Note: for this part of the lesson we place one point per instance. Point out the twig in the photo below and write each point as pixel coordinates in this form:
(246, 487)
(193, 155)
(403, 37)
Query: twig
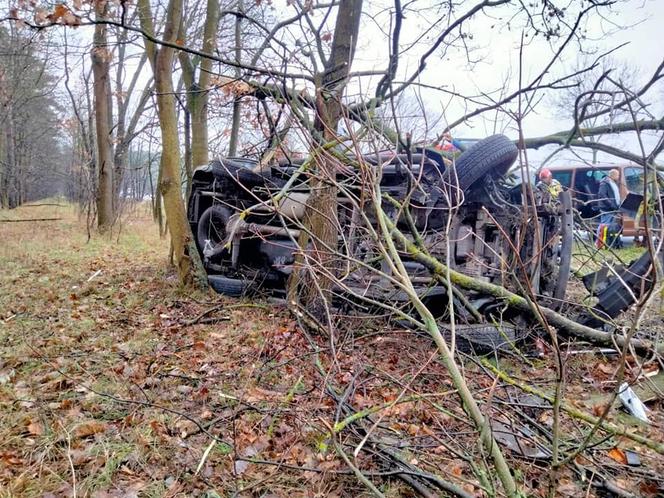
(204, 457)
(358, 473)
(578, 414)
(71, 462)
(202, 315)
(30, 219)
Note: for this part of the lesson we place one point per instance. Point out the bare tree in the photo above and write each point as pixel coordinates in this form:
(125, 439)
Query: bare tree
(30, 154)
(101, 56)
(161, 61)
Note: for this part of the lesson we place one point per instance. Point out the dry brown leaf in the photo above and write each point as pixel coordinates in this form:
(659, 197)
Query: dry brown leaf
(567, 488)
(618, 455)
(10, 458)
(40, 16)
(457, 471)
(90, 428)
(605, 368)
(598, 410)
(35, 429)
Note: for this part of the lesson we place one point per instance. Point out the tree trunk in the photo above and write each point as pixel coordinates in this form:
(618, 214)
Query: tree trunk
(4, 201)
(188, 162)
(237, 104)
(321, 214)
(101, 69)
(185, 254)
(199, 127)
(235, 127)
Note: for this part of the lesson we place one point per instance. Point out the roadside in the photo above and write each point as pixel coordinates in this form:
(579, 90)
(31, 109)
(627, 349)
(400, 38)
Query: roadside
(115, 383)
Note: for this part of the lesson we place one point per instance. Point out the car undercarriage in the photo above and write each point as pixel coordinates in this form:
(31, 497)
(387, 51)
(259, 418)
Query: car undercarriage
(466, 211)
(491, 234)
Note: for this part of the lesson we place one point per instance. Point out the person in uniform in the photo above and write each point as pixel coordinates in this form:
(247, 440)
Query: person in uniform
(548, 185)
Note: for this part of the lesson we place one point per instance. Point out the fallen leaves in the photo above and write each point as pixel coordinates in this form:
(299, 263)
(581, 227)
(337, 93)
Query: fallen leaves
(617, 455)
(35, 429)
(90, 428)
(10, 458)
(123, 335)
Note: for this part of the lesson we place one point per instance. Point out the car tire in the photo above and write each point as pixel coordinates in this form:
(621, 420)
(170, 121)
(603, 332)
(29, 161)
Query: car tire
(492, 156)
(483, 339)
(212, 222)
(233, 287)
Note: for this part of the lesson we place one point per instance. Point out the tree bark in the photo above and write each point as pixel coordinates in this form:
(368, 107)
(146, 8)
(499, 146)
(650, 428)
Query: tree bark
(320, 238)
(185, 255)
(197, 91)
(237, 103)
(101, 69)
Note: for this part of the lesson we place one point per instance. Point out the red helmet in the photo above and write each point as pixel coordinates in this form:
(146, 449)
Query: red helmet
(545, 173)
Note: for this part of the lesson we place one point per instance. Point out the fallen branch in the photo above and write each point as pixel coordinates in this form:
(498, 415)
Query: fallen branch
(406, 471)
(410, 474)
(358, 473)
(41, 204)
(518, 302)
(30, 219)
(609, 427)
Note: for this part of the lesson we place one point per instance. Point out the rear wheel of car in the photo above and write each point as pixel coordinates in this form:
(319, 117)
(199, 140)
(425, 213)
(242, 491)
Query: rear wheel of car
(233, 287)
(492, 156)
(211, 229)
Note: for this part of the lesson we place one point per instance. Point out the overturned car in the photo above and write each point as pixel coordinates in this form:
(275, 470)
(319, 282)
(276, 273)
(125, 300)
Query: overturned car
(466, 210)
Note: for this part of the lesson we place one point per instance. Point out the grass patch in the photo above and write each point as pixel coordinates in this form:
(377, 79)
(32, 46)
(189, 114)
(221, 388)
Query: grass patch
(586, 258)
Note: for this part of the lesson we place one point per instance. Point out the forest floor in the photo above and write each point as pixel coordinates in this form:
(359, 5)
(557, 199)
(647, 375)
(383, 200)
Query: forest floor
(116, 383)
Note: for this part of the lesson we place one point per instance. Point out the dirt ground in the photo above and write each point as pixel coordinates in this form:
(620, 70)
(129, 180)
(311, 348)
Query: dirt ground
(114, 382)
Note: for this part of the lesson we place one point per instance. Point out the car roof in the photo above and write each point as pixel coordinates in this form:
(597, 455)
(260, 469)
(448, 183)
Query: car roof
(561, 167)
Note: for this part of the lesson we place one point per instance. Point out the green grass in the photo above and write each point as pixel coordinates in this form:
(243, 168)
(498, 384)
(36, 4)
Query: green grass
(587, 259)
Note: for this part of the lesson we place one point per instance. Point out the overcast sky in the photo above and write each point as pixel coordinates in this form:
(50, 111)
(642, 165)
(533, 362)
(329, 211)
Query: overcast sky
(495, 52)
(638, 23)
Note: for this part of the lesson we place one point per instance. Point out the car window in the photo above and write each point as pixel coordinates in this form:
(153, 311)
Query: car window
(564, 177)
(634, 180)
(586, 181)
(599, 174)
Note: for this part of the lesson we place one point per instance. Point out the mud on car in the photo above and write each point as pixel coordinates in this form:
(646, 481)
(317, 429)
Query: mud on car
(468, 208)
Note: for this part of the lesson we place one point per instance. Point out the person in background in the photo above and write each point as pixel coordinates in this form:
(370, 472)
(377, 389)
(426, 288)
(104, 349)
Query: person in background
(608, 198)
(547, 184)
(648, 212)
(449, 144)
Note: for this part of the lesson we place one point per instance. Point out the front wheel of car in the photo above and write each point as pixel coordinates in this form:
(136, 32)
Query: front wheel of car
(491, 156)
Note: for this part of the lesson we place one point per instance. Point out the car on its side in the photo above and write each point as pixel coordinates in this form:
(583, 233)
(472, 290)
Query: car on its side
(246, 227)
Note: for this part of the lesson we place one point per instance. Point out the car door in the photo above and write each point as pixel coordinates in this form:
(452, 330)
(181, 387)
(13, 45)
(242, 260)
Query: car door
(585, 188)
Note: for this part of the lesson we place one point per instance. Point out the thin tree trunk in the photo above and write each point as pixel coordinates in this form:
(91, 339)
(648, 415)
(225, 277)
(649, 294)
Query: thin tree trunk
(199, 90)
(237, 104)
(199, 127)
(185, 254)
(101, 68)
(188, 160)
(321, 214)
